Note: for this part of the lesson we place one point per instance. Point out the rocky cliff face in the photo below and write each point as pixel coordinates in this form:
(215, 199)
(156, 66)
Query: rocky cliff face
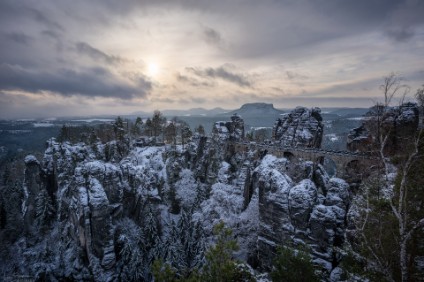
(229, 130)
(91, 212)
(399, 122)
(301, 128)
(300, 213)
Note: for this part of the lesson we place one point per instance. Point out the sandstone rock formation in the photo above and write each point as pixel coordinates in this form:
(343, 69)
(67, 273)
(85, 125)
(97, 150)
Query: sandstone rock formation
(300, 128)
(113, 213)
(229, 130)
(399, 122)
(300, 213)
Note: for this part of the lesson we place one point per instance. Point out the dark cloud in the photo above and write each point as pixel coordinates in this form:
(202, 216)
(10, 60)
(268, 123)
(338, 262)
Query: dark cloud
(96, 54)
(94, 82)
(20, 38)
(291, 75)
(400, 34)
(405, 20)
(188, 80)
(221, 73)
(37, 38)
(51, 34)
(212, 36)
(44, 19)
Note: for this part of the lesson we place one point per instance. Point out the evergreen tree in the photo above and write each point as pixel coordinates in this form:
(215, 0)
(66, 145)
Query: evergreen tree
(170, 132)
(293, 265)
(175, 206)
(175, 255)
(185, 133)
(118, 129)
(64, 134)
(136, 127)
(200, 130)
(163, 272)
(44, 210)
(148, 127)
(220, 266)
(131, 248)
(158, 123)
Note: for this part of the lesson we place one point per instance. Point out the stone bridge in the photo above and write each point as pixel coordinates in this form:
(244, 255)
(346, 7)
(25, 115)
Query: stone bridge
(343, 160)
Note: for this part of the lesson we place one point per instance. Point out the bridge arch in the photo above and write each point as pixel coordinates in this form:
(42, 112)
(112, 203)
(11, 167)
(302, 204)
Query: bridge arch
(330, 165)
(289, 155)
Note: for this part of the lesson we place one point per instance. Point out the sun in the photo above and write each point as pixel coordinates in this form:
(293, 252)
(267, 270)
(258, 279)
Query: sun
(153, 69)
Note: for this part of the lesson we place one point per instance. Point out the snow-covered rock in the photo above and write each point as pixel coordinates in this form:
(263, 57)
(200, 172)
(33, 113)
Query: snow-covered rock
(300, 128)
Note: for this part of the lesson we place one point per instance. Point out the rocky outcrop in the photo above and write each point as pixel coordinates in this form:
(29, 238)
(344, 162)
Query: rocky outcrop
(301, 214)
(33, 186)
(114, 213)
(300, 128)
(400, 123)
(229, 130)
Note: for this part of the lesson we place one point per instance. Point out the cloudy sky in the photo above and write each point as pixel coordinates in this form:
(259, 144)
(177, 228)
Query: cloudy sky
(78, 57)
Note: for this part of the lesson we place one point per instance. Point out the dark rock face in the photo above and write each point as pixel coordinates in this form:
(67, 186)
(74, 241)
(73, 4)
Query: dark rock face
(359, 139)
(33, 185)
(399, 122)
(301, 128)
(306, 213)
(229, 130)
(257, 109)
(268, 201)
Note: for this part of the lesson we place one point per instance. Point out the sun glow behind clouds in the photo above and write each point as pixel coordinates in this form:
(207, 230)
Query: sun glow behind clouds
(153, 69)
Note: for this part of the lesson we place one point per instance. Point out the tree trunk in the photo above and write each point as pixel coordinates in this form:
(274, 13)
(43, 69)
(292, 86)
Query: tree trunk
(403, 260)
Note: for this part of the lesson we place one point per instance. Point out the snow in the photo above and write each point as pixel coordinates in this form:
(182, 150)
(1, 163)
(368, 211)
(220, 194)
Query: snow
(97, 195)
(31, 159)
(94, 120)
(306, 134)
(332, 137)
(266, 241)
(186, 188)
(407, 115)
(336, 274)
(302, 198)
(43, 124)
(223, 172)
(357, 118)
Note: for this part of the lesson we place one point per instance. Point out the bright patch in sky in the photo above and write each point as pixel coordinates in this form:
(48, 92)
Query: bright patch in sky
(153, 69)
(117, 57)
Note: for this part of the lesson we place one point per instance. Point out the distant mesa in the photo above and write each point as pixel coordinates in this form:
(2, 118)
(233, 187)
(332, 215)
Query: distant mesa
(256, 109)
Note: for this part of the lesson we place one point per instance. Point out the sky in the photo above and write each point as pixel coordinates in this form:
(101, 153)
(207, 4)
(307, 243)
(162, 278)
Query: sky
(70, 58)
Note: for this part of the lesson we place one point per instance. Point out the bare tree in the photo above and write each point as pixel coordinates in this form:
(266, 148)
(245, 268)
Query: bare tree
(390, 253)
(419, 96)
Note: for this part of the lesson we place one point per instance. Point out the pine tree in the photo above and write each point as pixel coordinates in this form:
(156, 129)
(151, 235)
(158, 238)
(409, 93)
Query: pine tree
(118, 129)
(200, 130)
(170, 133)
(131, 244)
(175, 255)
(175, 206)
(64, 134)
(158, 123)
(185, 133)
(44, 210)
(148, 127)
(293, 265)
(220, 266)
